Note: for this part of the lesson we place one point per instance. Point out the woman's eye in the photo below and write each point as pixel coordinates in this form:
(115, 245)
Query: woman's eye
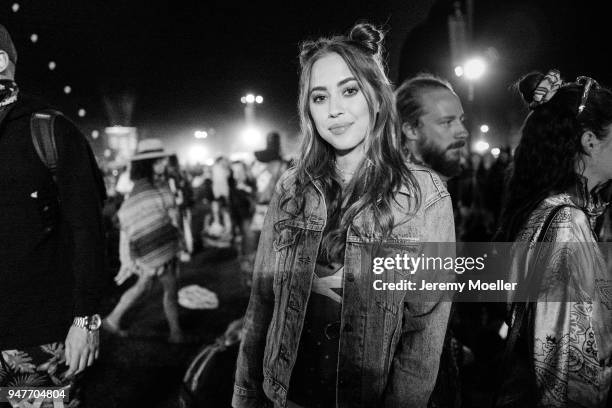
(351, 91)
(318, 98)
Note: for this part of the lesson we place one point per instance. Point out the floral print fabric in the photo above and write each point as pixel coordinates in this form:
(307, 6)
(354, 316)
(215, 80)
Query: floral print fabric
(38, 367)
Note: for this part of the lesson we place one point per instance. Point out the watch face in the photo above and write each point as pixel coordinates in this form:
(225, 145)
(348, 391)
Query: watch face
(95, 322)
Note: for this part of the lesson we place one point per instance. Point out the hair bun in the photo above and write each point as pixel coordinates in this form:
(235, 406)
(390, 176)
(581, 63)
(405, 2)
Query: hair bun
(528, 84)
(368, 36)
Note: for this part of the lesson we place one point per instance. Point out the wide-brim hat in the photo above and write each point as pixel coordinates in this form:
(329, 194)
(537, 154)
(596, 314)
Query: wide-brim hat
(150, 149)
(272, 150)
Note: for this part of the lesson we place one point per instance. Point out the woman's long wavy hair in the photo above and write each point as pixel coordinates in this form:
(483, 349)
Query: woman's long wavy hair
(550, 151)
(385, 169)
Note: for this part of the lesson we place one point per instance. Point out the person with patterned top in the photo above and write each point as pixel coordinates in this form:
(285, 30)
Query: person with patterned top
(150, 238)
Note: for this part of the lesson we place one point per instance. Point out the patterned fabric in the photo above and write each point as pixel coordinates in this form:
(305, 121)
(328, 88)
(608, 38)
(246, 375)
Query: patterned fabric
(149, 232)
(8, 92)
(572, 339)
(38, 366)
(547, 88)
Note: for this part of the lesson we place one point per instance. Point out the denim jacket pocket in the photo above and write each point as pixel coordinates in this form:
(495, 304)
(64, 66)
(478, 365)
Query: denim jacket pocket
(392, 295)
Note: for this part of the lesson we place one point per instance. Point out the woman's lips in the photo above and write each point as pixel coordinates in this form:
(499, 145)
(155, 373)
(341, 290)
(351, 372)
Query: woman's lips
(339, 128)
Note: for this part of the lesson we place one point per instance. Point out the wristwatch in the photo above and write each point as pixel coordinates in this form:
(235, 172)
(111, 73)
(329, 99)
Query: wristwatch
(90, 323)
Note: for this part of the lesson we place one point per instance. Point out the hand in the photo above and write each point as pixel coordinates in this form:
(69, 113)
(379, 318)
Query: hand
(82, 349)
(124, 272)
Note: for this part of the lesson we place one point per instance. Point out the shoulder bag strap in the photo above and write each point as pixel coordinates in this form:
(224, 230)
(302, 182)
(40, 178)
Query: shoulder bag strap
(520, 310)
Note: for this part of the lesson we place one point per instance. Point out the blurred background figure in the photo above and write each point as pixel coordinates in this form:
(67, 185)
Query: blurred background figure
(150, 237)
(242, 204)
(217, 230)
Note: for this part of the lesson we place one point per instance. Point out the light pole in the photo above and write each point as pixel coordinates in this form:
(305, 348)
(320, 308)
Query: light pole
(471, 70)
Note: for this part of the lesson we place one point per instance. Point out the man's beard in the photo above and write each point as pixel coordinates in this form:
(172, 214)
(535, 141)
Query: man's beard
(439, 159)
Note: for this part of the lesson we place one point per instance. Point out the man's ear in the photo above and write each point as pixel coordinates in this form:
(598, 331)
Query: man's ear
(4, 62)
(409, 131)
(589, 142)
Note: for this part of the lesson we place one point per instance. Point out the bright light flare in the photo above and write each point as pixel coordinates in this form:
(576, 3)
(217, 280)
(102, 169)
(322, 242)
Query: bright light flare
(250, 98)
(197, 154)
(474, 68)
(484, 128)
(251, 138)
(459, 71)
(495, 152)
(259, 99)
(481, 146)
(200, 134)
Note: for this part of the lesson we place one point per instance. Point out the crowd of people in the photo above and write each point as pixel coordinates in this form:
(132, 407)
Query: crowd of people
(381, 172)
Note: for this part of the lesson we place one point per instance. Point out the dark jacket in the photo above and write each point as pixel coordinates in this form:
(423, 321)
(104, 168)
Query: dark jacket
(51, 237)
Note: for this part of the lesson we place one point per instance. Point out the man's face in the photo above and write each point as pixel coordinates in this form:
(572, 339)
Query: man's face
(441, 134)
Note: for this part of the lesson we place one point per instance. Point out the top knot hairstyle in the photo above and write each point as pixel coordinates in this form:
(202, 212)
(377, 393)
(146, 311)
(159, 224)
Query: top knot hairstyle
(367, 36)
(364, 36)
(550, 151)
(386, 168)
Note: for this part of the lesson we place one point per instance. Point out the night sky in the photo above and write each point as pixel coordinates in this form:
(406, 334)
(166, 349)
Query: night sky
(185, 64)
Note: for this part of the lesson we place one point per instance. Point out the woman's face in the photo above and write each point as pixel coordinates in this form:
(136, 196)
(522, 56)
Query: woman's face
(238, 171)
(337, 104)
(159, 167)
(602, 157)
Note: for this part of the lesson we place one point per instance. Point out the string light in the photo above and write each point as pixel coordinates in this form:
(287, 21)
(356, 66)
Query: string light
(34, 38)
(82, 112)
(95, 134)
(15, 7)
(52, 65)
(67, 89)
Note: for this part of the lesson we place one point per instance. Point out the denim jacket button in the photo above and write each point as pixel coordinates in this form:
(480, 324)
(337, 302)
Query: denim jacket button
(350, 277)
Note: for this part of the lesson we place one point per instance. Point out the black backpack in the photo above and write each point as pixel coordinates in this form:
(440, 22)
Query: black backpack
(43, 139)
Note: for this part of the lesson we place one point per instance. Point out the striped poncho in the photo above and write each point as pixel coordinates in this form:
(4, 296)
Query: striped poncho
(149, 235)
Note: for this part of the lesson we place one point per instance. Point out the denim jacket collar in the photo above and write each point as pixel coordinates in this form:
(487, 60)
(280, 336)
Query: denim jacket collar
(403, 189)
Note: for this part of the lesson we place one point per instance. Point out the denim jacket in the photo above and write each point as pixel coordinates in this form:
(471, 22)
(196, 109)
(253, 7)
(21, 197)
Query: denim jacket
(389, 347)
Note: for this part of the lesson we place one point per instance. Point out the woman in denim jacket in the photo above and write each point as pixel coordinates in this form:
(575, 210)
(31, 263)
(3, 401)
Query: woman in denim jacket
(563, 158)
(317, 333)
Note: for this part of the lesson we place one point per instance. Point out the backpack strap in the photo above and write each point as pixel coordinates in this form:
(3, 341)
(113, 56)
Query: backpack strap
(43, 138)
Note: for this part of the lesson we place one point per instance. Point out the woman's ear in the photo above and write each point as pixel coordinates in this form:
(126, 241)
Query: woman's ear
(589, 142)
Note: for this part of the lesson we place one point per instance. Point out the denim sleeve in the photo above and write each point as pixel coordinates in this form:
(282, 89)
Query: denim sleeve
(417, 357)
(248, 390)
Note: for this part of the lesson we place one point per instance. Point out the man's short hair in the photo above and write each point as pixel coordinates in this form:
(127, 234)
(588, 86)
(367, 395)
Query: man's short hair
(408, 95)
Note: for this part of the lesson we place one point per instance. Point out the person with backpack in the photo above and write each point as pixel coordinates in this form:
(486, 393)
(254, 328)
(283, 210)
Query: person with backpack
(52, 269)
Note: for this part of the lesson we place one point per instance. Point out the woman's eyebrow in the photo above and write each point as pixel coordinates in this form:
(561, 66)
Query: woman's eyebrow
(342, 82)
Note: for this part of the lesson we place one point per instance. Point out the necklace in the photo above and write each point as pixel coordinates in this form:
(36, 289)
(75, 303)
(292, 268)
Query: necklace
(345, 176)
